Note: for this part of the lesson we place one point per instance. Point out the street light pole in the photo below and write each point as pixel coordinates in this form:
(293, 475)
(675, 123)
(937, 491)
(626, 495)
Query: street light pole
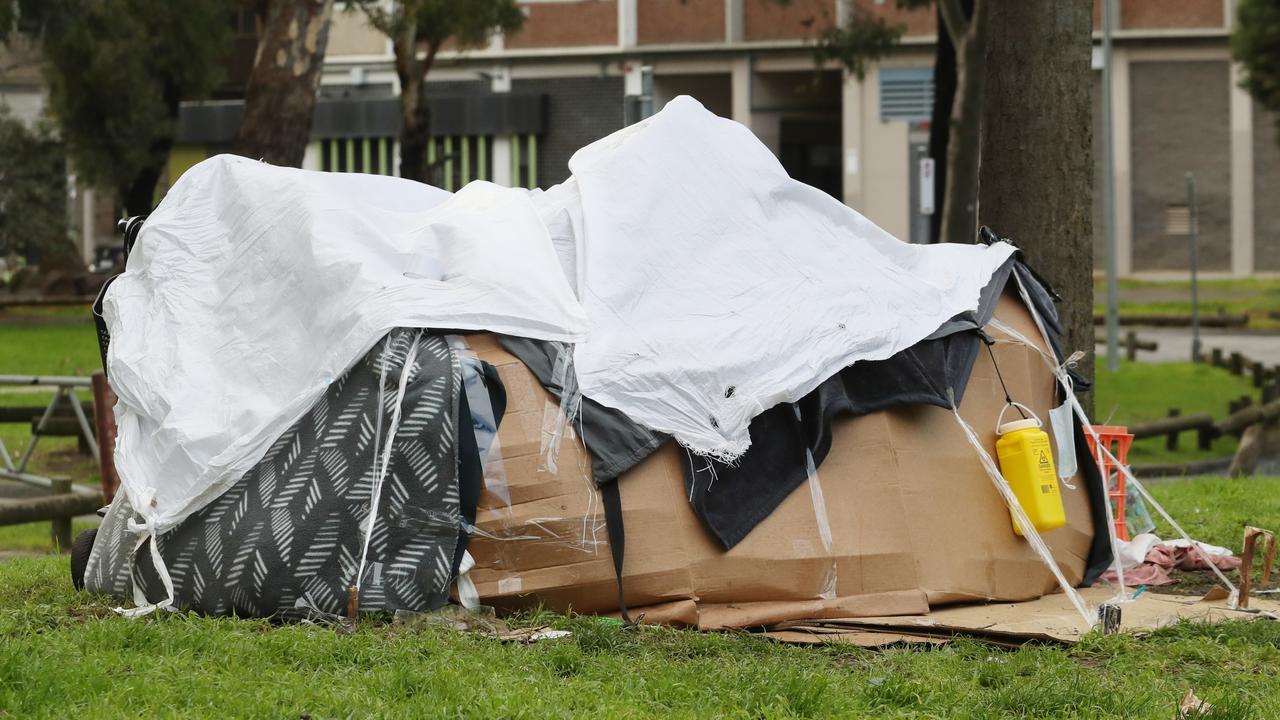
(1193, 234)
(1109, 192)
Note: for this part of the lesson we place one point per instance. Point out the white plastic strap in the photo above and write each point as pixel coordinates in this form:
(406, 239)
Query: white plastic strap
(1102, 452)
(146, 530)
(468, 596)
(1064, 379)
(570, 400)
(1028, 528)
(380, 471)
(828, 591)
(1024, 408)
(1234, 596)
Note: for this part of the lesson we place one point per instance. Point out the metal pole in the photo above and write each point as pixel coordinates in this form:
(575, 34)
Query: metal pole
(1109, 192)
(646, 92)
(1192, 236)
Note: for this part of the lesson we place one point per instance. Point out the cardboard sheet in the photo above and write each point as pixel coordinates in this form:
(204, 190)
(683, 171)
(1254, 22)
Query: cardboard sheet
(1049, 619)
(914, 521)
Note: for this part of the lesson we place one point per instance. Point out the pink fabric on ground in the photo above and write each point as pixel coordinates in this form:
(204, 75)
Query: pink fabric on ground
(1161, 559)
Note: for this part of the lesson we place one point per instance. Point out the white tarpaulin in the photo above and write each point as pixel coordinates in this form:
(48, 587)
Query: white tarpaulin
(718, 287)
(714, 287)
(253, 287)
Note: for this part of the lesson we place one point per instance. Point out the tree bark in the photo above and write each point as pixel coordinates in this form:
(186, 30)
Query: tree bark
(964, 144)
(1037, 166)
(281, 94)
(139, 194)
(415, 125)
(944, 91)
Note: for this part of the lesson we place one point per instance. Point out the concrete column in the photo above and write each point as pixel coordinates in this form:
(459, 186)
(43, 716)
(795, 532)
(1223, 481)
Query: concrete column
(1242, 235)
(311, 159)
(884, 155)
(1122, 128)
(500, 82)
(627, 23)
(851, 139)
(740, 82)
(844, 11)
(88, 240)
(734, 23)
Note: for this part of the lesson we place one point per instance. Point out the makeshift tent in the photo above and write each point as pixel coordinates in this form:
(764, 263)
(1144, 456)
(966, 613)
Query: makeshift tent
(768, 408)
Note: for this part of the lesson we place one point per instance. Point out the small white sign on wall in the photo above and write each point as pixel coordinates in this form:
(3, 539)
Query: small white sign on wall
(926, 186)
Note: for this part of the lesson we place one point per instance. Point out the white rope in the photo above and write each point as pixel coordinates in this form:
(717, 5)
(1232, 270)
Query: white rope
(1028, 528)
(1105, 452)
(1064, 379)
(146, 530)
(380, 473)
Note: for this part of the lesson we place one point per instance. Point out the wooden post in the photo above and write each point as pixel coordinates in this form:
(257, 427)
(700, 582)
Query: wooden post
(1251, 535)
(1216, 357)
(60, 527)
(1271, 392)
(1131, 346)
(104, 422)
(1204, 437)
(1259, 374)
(1249, 453)
(1237, 364)
(1171, 440)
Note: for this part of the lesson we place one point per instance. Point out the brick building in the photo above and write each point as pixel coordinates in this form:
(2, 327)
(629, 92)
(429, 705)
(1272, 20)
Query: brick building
(515, 111)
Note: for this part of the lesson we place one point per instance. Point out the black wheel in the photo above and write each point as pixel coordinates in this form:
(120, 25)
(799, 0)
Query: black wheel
(80, 549)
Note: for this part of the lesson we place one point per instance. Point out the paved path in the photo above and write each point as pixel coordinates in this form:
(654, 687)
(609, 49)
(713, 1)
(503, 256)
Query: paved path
(1175, 344)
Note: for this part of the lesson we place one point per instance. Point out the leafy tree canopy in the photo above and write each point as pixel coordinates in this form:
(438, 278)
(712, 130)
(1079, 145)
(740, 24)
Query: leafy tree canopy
(468, 23)
(1256, 45)
(33, 192)
(860, 37)
(117, 70)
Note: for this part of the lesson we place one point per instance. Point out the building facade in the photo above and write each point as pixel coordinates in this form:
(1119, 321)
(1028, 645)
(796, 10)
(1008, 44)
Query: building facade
(515, 111)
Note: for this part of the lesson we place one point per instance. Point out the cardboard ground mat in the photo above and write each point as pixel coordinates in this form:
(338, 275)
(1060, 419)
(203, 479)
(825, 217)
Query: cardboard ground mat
(901, 517)
(1048, 619)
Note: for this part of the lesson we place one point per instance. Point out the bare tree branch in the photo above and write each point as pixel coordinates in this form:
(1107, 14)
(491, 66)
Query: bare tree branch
(953, 17)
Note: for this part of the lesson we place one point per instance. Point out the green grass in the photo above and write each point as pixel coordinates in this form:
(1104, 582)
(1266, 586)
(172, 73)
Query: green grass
(1255, 297)
(1140, 392)
(80, 663)
(49, 349)
(65, 654)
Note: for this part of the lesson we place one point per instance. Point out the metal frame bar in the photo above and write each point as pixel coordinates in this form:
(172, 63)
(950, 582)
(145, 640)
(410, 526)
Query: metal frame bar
(65, 389)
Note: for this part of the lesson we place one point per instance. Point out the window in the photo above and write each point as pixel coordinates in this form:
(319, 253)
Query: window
(906, 94)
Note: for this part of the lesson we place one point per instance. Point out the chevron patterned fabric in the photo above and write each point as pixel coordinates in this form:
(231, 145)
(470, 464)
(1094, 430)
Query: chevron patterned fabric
(286, 539)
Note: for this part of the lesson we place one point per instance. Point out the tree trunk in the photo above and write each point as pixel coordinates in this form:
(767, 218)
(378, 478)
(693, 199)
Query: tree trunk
(1037, 166)
(944, 91)
(964, 144)
(415, 136)
(281, 94)
(139, 195)
(415, 126)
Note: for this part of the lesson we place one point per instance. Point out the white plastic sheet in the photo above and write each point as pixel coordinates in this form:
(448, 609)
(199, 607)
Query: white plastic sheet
(718, 287)
(253, 287)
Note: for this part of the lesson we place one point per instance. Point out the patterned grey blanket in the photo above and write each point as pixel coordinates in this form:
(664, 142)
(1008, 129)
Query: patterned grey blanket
(286, 540)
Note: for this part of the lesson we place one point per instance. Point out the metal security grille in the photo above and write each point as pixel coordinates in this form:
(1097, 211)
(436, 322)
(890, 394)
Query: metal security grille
(458, 159)
(906, 94)
(364, 155)
(524, 161)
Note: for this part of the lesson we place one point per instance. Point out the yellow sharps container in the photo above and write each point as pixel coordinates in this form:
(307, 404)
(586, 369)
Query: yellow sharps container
(1027, 463)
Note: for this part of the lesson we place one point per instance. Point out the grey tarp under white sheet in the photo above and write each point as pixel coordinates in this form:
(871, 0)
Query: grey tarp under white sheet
(709, 287)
